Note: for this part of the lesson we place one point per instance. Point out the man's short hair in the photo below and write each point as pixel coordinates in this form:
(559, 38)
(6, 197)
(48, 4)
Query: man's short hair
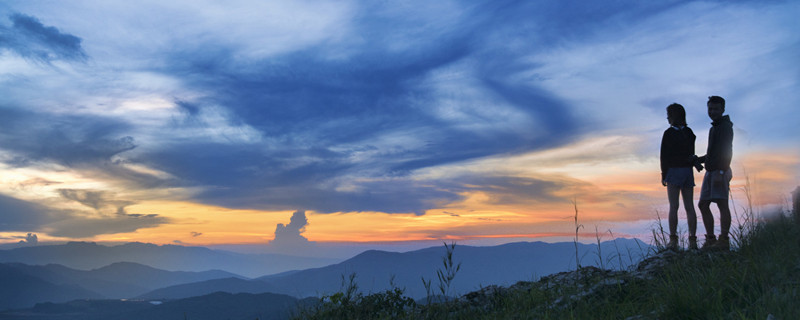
(718, 100)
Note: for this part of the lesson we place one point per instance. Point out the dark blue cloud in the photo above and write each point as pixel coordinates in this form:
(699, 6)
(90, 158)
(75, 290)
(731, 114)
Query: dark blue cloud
(313, 106)
(190, 108)
(319, 116)
(29, 38)
(112, 215)
(82, 142)
(514, 190)
(24, 216)
(81, 227)
(70, 140)
(20, 215)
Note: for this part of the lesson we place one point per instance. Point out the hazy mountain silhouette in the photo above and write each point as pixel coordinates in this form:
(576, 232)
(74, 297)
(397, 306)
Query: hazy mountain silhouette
(228, 285)
(89, 255)
(20, 290)
(481, 266)
(119, 280)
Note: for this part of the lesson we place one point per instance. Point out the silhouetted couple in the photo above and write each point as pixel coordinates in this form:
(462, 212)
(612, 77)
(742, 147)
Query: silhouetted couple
(677, 160)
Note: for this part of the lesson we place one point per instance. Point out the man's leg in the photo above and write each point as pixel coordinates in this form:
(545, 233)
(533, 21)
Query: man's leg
(724, 217)
(721, 191)
(708, 222)
(708, 218)
(705, 211)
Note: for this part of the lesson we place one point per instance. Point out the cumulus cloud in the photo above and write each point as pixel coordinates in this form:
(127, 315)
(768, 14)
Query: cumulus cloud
(290, 235)
(31, 39)
(30, 239)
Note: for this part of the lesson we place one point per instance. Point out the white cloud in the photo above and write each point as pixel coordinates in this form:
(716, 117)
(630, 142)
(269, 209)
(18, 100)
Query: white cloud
(684, 54)
(139, 31)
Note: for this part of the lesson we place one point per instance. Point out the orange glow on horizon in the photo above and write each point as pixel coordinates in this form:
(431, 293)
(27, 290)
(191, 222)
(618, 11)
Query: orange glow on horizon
(607, 192)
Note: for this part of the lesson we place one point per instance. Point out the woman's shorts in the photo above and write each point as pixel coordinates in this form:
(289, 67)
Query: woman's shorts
(680, 177)
(716, 185)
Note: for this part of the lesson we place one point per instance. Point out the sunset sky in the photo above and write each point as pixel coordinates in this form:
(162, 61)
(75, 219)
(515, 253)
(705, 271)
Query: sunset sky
(313, 123)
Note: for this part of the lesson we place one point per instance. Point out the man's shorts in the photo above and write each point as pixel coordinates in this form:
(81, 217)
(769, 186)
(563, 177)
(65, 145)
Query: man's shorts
(716, 185)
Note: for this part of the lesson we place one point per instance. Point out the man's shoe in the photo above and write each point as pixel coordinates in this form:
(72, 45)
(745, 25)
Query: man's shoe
(723, 243)
(711, 240)
(692, 242)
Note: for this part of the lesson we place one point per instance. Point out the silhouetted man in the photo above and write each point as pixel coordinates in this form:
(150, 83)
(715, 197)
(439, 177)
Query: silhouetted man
(716, 182)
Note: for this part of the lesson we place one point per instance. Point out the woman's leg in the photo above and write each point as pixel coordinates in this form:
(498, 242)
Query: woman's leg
(672, 196)
(688, 205)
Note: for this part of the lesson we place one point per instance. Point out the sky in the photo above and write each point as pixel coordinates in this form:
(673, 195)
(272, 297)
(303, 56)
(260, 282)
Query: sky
(296, 125)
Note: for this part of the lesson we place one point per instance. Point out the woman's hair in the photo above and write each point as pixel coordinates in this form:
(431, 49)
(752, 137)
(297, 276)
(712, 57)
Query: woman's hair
(677, 114)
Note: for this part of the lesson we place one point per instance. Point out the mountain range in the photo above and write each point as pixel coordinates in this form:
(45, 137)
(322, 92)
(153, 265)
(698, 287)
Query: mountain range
(480, 266)
(25, 285)
(90, 255)
(116, 281)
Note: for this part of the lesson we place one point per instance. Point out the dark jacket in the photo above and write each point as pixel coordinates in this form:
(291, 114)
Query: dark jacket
(720, 145)
(677, 149)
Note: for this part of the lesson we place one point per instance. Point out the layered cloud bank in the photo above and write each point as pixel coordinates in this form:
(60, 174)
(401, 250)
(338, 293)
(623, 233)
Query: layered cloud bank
(208, 123)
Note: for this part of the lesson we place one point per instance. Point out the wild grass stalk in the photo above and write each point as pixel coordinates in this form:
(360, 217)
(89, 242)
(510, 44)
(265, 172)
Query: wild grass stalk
(619, 255)
(428, 292)
(449, 269)
(599, 248)
(747, 221)
(660, 236)
(577, 228)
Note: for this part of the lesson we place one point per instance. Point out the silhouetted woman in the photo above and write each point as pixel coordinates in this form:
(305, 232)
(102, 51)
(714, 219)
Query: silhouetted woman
(677, 159)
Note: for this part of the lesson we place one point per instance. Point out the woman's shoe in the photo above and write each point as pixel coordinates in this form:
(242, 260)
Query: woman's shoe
(673, 243)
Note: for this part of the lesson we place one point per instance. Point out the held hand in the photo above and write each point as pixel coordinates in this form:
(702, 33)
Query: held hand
(698, 166)
(664, 183)
(696, 163)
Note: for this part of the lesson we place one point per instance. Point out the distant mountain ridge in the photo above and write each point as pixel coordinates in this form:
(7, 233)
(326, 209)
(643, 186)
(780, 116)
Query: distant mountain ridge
(374, 269)
(90, 255)
(480, 266)
(119, 280)
(229, 285)
(18, 290)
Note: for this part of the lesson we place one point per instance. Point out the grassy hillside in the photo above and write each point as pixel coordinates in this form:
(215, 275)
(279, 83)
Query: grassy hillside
(759, 279)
